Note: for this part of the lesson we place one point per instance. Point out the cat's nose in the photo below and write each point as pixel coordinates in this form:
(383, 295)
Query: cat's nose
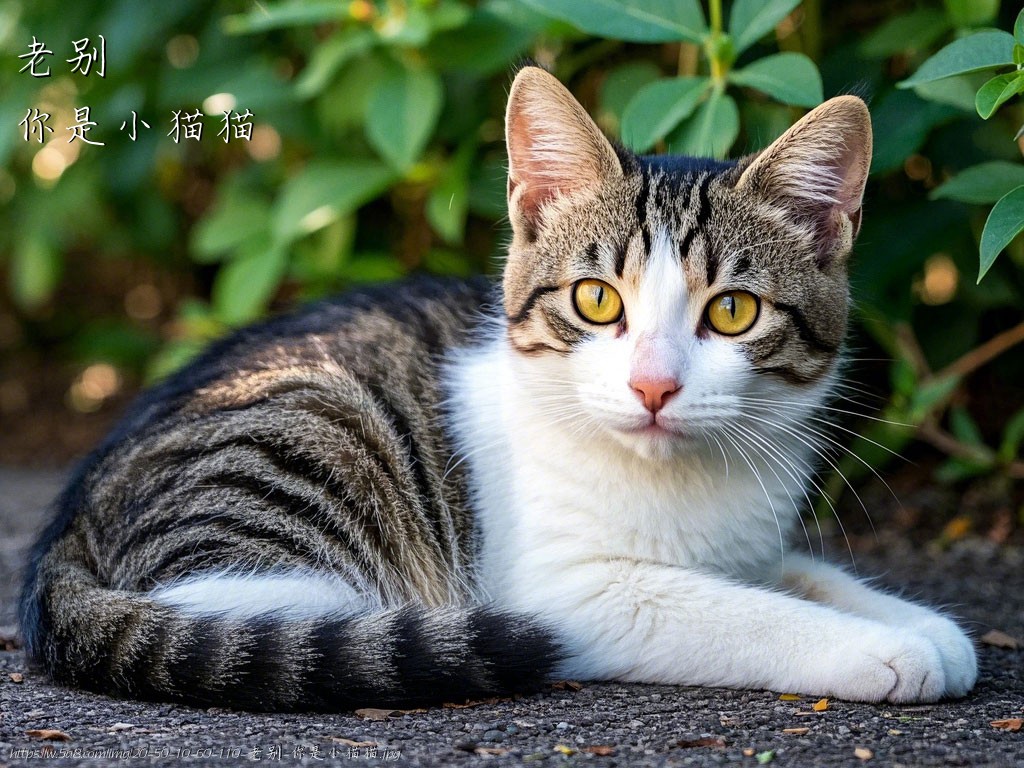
(654, 392)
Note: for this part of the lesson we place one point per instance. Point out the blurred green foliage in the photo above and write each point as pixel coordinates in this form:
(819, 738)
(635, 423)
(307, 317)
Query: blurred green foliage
(377, 151)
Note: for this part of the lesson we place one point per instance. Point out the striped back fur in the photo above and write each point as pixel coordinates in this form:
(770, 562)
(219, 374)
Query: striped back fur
(285, 524)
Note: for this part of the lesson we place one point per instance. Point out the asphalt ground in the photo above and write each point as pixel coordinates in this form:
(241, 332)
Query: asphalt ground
(596, 724)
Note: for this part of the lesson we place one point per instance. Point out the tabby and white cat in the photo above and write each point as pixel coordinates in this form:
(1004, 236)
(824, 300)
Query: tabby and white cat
(435, 490)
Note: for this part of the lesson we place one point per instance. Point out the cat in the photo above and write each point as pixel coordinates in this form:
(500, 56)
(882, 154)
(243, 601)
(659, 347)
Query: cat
(441, 489)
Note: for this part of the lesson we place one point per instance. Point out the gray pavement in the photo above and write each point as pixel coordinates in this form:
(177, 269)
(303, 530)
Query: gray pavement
(600, 724)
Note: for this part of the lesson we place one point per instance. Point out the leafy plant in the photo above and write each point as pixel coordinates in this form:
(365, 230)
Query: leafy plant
(693, 113)
(999, 183)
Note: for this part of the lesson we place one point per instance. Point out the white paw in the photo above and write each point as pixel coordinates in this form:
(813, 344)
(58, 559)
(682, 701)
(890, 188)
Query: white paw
(959, 659)
(885, 664)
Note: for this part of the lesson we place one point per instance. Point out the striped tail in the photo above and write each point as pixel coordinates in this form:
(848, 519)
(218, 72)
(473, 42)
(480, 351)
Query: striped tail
(126, 644)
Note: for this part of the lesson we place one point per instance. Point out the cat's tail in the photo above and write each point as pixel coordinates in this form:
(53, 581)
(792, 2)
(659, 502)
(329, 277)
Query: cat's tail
(316, 658)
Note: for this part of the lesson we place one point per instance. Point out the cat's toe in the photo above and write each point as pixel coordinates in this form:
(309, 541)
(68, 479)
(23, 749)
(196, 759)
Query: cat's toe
(959, 658)
(898, 667)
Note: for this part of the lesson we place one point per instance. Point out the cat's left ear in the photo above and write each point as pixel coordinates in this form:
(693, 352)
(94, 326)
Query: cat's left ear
(555, 150)
(816, 172)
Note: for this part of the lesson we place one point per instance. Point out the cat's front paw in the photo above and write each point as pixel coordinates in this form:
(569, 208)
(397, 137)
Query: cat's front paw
(890, 665)
(959, 658)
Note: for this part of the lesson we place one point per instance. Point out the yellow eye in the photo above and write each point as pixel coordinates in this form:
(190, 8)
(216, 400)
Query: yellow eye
(733, 312)
(597, 302)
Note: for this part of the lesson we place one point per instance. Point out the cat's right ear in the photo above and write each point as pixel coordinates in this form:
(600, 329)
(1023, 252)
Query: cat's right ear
(555, 151)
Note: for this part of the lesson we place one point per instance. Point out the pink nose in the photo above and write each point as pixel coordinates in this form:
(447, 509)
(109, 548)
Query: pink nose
(655, 392)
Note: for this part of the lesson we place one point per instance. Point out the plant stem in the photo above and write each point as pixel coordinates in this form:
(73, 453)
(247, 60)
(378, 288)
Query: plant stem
(983, 354)
(713, 49)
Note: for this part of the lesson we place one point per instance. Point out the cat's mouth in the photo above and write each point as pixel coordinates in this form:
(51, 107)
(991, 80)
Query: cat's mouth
(655, 428)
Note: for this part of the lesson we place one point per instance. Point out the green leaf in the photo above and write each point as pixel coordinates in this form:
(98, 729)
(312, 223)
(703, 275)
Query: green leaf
(283, 15)
(790, 78)
(638, 21)
(402, 113)
(913, 31)
(750, 20)
(330, 56)
(711, 131)
(996, 92)
(237, 216)
(34, 271)
(621, 85)
(1013, 436)
(926, 397)
(982, 50)
(244, 286)
(1004, 223)
(958, 91)
(324, 191)
(963, 426)
(982, 183)
(1018, 27)
(1018, 54)
(659, 107)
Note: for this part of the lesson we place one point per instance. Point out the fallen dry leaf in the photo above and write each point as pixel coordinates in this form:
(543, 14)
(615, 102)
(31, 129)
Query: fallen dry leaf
(567, 685)
(48, 734)
(17, 677)
(705, 742)
(863, 753)
(351, 743)
(600, 749)
(748, 752)
(490, 751)
(564, 749)
(894, 732)
(796, 731)
(789, 697)
(957, 528)
(1000, 640)
(122, 727)
(1010, 724)
(820, 705)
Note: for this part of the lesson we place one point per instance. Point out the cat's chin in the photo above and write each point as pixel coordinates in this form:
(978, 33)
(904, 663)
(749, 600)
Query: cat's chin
(653, 441)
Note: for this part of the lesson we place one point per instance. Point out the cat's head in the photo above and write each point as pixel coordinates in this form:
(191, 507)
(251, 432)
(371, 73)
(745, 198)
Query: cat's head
(664, 299)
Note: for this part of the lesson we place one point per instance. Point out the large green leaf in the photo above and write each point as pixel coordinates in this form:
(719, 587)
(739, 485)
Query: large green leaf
(971, 13)
(791, 78)
(244, 286)
(330, 56)
(982, 50)
(913, 31)
(324, 191)
(750, 20)
(659, 107)
(1004, 223)
(402, 113)
(998, 91)
(639, 21)
(1018, 27)
(711, 131)
(982, 183)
